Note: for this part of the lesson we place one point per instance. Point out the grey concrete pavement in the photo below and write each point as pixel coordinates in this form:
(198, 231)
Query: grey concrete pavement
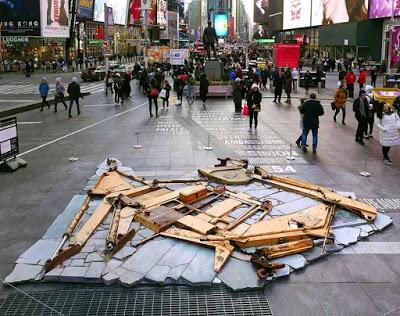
(173, 145)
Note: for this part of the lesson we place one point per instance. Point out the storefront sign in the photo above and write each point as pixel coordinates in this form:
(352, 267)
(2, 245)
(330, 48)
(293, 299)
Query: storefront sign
(15, 39)
(20, 17)
(54, 18)
(95, 42)
(120, 10)
(383, 8)
(8, 138)
(85, 9)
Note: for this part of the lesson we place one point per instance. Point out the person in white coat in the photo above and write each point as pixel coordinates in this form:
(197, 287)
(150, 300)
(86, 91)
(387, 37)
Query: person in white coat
(389, 125)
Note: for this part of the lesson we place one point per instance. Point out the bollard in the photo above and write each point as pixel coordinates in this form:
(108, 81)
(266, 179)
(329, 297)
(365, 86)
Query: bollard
(208, 148)
(364, 172)
(290, 157)
(137, 146)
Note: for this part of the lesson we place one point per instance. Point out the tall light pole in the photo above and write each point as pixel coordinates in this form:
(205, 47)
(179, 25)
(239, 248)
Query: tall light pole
(391, 39)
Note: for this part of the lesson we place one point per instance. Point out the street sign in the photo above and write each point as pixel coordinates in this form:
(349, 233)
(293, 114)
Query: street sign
(8, 138)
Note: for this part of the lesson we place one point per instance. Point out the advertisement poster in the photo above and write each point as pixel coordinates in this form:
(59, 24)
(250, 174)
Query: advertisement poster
(16, 20)
(162, 14)
(120, 9)
(396, 45)
(296, 14)
(109, 23)
(261, 33)
(338, 11)
(221, 24)
(85, 9)
(54, 17)
(135, 12)
(383, 8)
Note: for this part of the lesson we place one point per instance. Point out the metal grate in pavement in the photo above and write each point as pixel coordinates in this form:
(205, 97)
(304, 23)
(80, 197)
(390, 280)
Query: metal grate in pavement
(145, 301)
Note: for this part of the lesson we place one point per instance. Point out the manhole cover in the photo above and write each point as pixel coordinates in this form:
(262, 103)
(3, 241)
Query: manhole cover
(136, 301)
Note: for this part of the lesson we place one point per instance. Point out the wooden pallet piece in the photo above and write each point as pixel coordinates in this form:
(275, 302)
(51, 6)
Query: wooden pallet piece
(195, 224)
(126, 218)
(158, 218)
(192, 193)
(290, 248)
(223, 208)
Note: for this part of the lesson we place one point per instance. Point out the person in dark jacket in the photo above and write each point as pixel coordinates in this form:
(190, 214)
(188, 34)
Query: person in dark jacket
(279, 82)
(203, 88)
(153, 97)
(44, 91)
(59, 97)
(253, 100)
(74, 91)
(167, 87)
(312, 110)
(362, 112)
(237, 94)
(307, 81)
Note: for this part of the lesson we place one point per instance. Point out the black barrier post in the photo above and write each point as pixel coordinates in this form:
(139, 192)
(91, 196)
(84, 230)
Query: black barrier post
(9, 146)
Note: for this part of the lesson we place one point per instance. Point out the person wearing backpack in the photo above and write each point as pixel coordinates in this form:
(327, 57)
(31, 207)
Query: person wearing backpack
(153, 95)
(44, 91)
(59, 94)
(340, 102)
(254, 99)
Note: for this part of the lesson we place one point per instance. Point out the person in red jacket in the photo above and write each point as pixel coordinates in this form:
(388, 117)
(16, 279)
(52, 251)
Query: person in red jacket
(350, 81)
(362, 79)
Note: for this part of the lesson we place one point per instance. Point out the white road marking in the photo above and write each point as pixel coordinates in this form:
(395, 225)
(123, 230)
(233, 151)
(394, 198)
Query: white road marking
(29, 123)
(372, 248)
(98, 105)
(18, 101)
(80, 130)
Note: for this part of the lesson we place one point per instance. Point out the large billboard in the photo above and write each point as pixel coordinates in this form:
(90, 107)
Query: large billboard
(221, 24)
(338, 11)
(85, 9)
(269, 14)
(120, 9)
(16, 20)
(383, 8)
(162, 19)
(296, 14)
(135, 12)
(54, 16)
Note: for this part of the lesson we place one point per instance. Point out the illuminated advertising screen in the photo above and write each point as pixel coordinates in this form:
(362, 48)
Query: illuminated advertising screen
(296, 14)
(120, 10)
(54, 16)
(221, 24)
(85, 9)
(162, 13)
(383, 8)
(338, 11)
(135, 11)
(16, 20)
(269, 14)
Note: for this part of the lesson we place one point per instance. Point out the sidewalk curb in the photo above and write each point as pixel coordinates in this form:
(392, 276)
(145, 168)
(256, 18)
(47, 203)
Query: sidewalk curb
(29, 107)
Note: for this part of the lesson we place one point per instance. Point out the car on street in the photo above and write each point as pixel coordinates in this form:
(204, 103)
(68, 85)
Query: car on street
(124, 68)
(94, 73)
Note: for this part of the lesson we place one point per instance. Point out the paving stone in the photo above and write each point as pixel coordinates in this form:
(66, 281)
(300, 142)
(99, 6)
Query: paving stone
(77, 263)
(126, 251)
(100, 234)
(28, 260)
(296, 206)
(367, 229)
(110, 278)
(331, 248)
(130, 278)
(61, 223)
(95, 270)
(348, 215)
(240, 275)
(158, 273)
(54, 275)
(176, 272)
(135, 226)
(43, 249)
(96, 242)
(81, 255)
(94, 257)
(313, 255)
(88, 248)
(238, 212)
(112, 265)
(262, 193)
(357, 222)
(136, 239)
(216, 280)
(201, 269)
(146, 233)
(346, 235)
(281, 273)
(181, 253)
(23, 272)
(73, 274)
(294, 261)
(67, 262)
(148, 255)
(286, 197)
(382, 221)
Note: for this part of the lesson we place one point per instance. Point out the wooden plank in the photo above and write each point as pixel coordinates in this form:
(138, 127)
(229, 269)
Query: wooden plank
(158, 218)
(126, 217)
(222, 254)
(204, 217)
(195, 224)
(290, 248)
(132, 192)
(161, 199)
(223, 208)
(193, 193)
(111, 182)
(240, 229)
(142, 199)
(98, 216)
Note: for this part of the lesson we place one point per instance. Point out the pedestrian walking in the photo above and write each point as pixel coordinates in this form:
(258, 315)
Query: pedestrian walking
(350, 80)
(361, 110)
(362, 78)
(179, 87)
(191, 82)
(59, 97)
(74, 91)
(108, 82)
(44, 91)
(279, 83)
(298, 141)
(389, 125)
(253, 99)
(203, 88)
(312, 110)
(237, 95)
(339, 104)
(117, 89)
(153, 95)
(371, 115)
(374, 76)
(295, 78)
(307, 81)
(165, 93)
(288, 86)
